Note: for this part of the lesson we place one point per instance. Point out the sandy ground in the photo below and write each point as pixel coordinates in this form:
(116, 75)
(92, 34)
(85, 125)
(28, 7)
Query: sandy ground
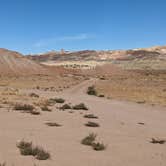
(137, 86)
(128, 143)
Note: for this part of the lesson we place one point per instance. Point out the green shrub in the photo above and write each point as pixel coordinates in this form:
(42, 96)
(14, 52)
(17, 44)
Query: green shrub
(89, 139)
(80, 106)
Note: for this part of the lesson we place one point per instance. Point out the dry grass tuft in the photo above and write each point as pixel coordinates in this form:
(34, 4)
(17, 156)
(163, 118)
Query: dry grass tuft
(45, 108)
(92, 124)
(92, 91)
(89, 140)
(65, 106)
(157, 141)
(90, 116)
(27, 149)
(80, 106)
(53, 124)
(23, 107)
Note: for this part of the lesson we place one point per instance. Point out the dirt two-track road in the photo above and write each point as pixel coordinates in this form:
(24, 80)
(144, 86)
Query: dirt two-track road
(127, 141)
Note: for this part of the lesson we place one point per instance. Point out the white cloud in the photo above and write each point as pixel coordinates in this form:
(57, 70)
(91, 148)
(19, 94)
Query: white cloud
(50, 41)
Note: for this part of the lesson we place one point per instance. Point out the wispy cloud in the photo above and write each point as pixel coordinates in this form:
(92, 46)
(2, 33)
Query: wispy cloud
(46, 42)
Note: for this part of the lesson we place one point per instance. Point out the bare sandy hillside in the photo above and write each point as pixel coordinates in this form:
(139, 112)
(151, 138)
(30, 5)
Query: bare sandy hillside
(14, 63)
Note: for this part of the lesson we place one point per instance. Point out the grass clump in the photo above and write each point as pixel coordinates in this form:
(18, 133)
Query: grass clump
(102, 78)
(98, 146)
(53, 124)
(65, 106)
(89, 140)
(35, 112)
(101, 95)
(141, 102)
(27, 108)
(92, 124)
(157, 141)
(49, 102)
(45, 108)
(27, 149)
(90, 116)
(80, 106)
(42, 155)
(34, 95)
(23, 107)
(59, 100)
(92, 91)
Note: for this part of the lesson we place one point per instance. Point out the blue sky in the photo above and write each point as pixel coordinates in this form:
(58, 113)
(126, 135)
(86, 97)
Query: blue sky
(34, 26)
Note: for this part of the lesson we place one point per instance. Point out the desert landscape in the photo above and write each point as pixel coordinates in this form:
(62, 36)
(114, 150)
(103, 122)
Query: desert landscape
(86, 108)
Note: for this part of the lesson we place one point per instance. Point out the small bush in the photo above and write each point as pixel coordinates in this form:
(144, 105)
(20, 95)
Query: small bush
(52, 124)
(23, 107)
(80, 106)
(42, 155)
(59, 100)
(35, 112)
(90, 116)
(98, 146)
(27, 149)
(65, 106)
(141, 102)
(45, 108)
(91, 91)
(101, 95)
(157, 141)
(34, 95)
(92, 124)
(22, 144)
(49, 102)
(89, 139)
(102, 78)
